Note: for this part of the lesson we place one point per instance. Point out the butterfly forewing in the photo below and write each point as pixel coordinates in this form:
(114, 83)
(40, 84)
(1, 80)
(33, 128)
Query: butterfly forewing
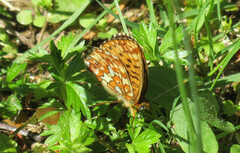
(108, 69)
(119, 64)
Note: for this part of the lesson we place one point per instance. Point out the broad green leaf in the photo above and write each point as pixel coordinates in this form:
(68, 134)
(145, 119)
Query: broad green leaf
(139, 147)
(7, 144)
(14, 70)
(66, 7)
(86, 19)
(180, 129)
(235, 148)
(77, 98)
(162, 87)
(39, 21)
(70, 5)
(148, 137)
(25, 17)
(208, 105)
(209, 108)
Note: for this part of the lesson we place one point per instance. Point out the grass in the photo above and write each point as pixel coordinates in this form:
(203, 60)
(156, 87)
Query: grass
(188, 108)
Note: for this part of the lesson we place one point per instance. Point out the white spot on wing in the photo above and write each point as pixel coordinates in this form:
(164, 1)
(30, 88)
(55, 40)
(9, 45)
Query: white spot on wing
(107, 53)
(97, 71)
(87, 63)
(118, 89)
(115, 57)
(111, 71)
(106, 77)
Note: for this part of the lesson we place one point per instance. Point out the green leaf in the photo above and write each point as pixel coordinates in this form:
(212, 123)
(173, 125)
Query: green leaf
(14, 70)
(65, 8)
(100, 124)
(78, 99)
(72, 134)
(180, 129)
(43, 3)
(54, 132)
(170, 56)
(162, 91)
(134, 128)
(209, 108)
(11, 106)
(75, 66)
(24, 17)
(39, 21)
(55, 55)
(108, 34)
(143, 142)
(167, 41)
(235, 148)
(7, 144)
(41, 56)
(102, 24)
(41, 91)
(149, 137)
(10, 48)
(147, 38)
(229, 108)
(70, 5)
(3, 35)
(64, 44)
(208, 105)
(86, 19)
(198, 21)
(223, 81)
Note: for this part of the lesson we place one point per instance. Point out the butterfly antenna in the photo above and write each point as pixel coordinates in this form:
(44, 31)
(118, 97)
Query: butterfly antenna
(168, 91)
(165, 92)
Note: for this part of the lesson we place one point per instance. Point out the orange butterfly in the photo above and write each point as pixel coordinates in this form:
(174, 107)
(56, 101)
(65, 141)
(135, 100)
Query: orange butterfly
(120, 65)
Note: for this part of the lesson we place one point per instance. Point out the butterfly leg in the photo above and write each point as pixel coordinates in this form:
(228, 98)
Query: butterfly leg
(132, 111)
(107, 102)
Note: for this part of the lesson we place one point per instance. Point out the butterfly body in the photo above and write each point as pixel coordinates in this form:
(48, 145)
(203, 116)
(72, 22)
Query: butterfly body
(120, 65)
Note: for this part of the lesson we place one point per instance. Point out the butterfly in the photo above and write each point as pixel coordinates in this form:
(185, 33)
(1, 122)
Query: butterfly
(120, 65)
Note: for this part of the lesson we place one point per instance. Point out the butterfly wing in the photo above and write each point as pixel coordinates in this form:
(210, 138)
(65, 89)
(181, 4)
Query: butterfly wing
(110, 71)
(130, 53)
